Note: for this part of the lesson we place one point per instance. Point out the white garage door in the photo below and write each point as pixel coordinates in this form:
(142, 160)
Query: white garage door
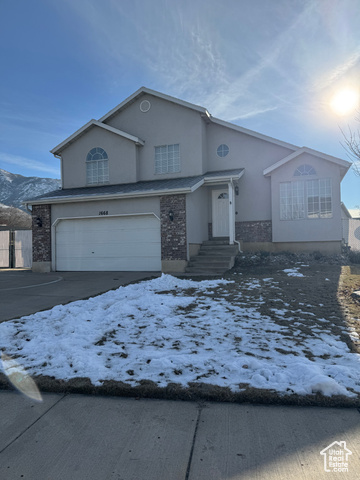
(129, 243)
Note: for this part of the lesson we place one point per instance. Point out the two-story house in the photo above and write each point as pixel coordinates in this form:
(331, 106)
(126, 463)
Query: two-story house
(146, 184)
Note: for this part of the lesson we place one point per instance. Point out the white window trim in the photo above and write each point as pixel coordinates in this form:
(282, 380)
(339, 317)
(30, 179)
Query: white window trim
(93, 167)
(300, 191)
(222, 150)
(170, 162)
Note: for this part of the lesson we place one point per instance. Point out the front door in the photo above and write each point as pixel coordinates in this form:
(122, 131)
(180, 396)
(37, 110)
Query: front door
(220, 213)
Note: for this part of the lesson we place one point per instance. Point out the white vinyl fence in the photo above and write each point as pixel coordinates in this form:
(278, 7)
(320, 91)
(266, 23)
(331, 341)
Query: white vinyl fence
(23, 248)
(16, 249)
(351, 233)
(4, 249)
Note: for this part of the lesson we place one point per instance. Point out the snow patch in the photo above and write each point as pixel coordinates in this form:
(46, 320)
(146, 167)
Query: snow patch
(178, 330)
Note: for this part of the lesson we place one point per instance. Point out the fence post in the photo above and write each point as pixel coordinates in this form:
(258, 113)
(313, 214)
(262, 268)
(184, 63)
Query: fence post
(11, 249)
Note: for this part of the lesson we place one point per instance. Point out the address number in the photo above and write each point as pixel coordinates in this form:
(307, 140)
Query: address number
(103, 212)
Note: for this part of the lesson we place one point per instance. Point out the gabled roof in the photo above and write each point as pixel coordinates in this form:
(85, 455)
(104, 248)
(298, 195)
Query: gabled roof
(252, 133)
(147, 91)
(143, 91)
(338, 161)
(138, 189)
(94, 123)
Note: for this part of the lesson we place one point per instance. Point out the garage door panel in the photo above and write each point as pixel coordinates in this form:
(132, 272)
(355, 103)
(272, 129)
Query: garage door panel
(118, 243)
(111, 250)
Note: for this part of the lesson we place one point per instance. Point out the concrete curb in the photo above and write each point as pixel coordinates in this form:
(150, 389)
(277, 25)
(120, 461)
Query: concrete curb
(194, 392)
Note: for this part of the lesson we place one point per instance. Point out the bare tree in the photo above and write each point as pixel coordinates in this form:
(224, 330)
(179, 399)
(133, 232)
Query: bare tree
(352, 146)
(14, 218)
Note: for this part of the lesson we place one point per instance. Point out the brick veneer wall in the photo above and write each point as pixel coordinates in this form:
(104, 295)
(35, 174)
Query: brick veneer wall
(41, 235)
(259, 231)
(173, 233)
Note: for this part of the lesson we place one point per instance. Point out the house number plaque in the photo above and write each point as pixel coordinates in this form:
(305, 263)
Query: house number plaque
(103, 212)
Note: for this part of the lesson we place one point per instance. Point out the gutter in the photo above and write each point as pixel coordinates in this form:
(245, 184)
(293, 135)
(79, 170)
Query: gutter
(115, 196)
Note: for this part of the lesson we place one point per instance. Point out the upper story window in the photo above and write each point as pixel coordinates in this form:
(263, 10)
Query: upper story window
(309, 199)
(167, 159)
(304, 170)
(97, 166)
(222, 150)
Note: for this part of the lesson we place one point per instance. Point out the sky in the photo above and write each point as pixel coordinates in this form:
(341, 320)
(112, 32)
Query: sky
(269, 66)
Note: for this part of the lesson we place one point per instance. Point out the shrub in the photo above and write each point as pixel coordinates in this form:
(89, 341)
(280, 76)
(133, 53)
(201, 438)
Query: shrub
(318, 255)
(354, 256)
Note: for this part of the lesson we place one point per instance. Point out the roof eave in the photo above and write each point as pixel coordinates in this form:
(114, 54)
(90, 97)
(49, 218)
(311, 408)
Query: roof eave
(114, 196)
(142, 91)
(343, 164)
(222, 178)
(94, 123)
(57, 150)
(252, 133)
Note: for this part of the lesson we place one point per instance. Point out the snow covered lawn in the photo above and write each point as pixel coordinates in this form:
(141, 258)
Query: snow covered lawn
(171, 330)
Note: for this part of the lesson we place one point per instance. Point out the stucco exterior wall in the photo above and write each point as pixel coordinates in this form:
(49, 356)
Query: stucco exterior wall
(121, 152)
(254, 200)
(164, 124)
(113, 207)
(307, 229)
(197, 215)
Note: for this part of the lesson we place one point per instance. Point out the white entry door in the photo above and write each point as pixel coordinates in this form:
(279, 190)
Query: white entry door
(220, 213)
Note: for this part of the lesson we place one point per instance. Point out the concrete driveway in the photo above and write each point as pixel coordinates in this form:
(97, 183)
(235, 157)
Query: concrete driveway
(23, 292)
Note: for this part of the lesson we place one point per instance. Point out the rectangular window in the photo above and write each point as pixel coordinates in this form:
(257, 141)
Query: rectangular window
(292, 203)
(310, 199)
(167, 159)
(97, 172)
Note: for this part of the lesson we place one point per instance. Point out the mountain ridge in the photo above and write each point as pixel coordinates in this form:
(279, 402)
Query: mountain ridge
(15, 188)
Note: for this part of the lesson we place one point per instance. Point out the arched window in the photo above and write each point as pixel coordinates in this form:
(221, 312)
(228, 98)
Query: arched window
(97, 166)
(304, 170)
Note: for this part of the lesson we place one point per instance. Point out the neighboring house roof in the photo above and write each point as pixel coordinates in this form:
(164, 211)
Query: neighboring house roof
(338, 161)
(354, 212)
(130, 190)
(345, 210)
(88, 126)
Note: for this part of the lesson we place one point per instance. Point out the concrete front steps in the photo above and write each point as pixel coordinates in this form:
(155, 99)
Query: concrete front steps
(214, 258)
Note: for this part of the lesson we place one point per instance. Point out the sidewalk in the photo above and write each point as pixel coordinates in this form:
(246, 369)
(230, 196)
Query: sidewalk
(79, 437)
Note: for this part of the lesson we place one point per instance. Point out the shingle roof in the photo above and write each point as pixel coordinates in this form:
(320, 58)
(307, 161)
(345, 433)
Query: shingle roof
(144, 188)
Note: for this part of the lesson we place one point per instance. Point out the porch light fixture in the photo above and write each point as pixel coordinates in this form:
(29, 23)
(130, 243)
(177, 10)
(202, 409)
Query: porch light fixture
(38, 222)
(236, 189)
(171, 215)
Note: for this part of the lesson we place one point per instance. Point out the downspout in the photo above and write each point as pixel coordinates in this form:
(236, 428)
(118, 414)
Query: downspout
(232, 216)
(59, 157)
(238, 243)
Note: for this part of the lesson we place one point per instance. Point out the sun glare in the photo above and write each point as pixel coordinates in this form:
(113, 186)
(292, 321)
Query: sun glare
(345, 101)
